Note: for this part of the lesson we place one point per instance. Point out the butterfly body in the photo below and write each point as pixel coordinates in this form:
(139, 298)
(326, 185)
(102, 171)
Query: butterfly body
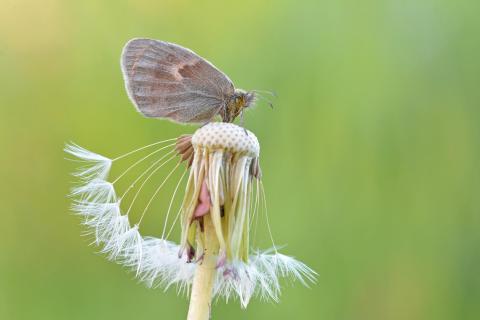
(236, 104)
(165, 80)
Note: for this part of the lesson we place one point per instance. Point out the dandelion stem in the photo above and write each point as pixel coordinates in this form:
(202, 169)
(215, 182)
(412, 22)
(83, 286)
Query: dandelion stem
(201, 297)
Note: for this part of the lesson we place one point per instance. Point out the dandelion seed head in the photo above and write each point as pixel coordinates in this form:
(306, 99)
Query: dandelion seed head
(223, 181)
(227, 137)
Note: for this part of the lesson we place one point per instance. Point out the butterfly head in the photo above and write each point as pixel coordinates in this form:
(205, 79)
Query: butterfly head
(238, 101)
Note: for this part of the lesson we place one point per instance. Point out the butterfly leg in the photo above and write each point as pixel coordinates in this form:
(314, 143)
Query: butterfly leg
(212, 119)
(242, 121)
(208, 121)
(203, 125)
(225, 116)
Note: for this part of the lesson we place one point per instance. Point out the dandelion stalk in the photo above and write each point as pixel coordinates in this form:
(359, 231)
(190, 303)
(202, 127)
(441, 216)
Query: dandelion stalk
(203, 281)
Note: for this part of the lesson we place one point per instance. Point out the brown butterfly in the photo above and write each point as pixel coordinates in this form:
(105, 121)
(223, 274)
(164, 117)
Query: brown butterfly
(165, 80)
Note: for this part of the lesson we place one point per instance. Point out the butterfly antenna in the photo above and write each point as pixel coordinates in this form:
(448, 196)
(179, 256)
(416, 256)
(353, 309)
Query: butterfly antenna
(272, 93)
(268, 101)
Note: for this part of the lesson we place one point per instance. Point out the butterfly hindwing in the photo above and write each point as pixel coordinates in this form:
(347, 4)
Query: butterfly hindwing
(165, 80)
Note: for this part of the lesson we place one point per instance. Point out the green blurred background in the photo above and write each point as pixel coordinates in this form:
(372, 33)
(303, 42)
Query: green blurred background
(370, 157)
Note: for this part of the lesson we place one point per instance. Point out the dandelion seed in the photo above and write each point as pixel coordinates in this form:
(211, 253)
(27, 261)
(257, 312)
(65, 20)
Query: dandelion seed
(223, 194)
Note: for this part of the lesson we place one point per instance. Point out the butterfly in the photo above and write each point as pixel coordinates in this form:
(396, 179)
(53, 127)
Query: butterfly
(166, 80)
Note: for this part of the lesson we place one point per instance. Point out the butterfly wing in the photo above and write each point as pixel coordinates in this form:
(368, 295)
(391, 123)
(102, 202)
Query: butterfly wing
(165, 80)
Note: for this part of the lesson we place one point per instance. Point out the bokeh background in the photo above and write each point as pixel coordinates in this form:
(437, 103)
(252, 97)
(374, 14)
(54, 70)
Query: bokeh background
(370, 157)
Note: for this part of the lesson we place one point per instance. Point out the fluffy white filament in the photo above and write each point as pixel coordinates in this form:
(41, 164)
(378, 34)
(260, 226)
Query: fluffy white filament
(155, 261)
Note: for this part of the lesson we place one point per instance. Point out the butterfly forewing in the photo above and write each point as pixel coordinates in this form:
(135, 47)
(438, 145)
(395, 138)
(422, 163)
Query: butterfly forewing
(165, 80)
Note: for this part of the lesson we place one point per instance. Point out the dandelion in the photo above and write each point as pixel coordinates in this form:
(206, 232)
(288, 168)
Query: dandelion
(223, 196)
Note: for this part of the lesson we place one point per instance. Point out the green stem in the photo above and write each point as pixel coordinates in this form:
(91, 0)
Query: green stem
(201, 297)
